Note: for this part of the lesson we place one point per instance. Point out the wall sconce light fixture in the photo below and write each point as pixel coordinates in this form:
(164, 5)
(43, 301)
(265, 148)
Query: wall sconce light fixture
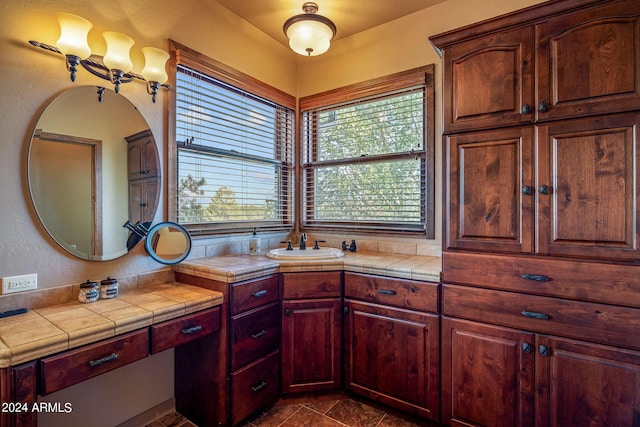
(309, 34)
(116, 64)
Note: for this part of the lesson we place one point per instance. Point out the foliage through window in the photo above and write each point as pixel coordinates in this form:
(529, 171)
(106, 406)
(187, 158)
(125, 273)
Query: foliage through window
(234, 156)
(368, 158)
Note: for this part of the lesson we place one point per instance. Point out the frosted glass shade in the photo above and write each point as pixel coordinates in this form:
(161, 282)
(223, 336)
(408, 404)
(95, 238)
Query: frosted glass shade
(309, 38)
(154, 64)
(118, 48)
(73, 35)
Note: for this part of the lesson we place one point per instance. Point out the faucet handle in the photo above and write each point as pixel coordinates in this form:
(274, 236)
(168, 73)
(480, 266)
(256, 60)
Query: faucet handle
(289, 247)
(315, 246)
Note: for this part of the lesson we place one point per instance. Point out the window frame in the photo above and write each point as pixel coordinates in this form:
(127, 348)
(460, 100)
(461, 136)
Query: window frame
(367, 89)
(184, 56)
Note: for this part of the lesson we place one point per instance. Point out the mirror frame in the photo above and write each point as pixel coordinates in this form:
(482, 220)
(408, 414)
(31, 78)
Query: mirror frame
(150, 242)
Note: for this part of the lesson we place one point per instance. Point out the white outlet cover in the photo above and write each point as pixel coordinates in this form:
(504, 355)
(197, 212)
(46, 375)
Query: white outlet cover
(25, 282)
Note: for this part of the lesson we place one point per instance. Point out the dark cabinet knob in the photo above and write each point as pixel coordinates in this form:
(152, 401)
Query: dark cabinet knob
(527, 190)
(543, 107)
(526, 109)
(544, 189)
(544, 350)
(526, 347)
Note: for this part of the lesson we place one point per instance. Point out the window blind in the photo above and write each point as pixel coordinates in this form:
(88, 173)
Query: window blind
(365, 161)
(234, 156)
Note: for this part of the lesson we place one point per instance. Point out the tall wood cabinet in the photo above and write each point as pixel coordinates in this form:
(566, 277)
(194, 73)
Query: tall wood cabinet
(144, 176)
(541, 251)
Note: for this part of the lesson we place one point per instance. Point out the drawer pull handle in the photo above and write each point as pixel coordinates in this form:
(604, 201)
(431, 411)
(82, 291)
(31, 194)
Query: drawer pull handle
(103, 360)
(259, 335)
(259, 386)
(259, 294)
(535, 315)
(192, 330)
(536, 277)
(386, 292)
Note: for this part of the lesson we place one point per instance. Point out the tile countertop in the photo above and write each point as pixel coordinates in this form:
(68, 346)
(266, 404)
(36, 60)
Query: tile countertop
(236, 268)
(48, 330)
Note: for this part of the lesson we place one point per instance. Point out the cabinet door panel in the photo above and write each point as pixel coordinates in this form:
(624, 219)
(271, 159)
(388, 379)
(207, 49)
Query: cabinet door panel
(488, 80)
(590, 170)
(391, 355)
(583, 384)
(311, 345)
(490, 207)
(589, 62)
(487, 375)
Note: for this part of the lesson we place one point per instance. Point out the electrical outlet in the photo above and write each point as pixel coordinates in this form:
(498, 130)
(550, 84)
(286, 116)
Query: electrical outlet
(26, 282)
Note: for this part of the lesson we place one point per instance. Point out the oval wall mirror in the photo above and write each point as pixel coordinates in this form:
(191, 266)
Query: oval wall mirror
(168, 243)
(92, 167)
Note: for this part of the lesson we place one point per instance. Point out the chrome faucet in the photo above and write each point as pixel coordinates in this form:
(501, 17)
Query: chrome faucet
(303, 241)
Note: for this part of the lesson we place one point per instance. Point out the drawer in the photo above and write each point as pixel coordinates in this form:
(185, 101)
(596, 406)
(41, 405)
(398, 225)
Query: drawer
(312, 285)
(606, 324)
(587, 281)
(403, 293)
(74, 366)
(184, 329)
(254, 293)
(254, 334)
(255, 386)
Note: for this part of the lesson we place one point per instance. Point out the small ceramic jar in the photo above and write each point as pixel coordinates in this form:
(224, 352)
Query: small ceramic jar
(89, 292)
(109, 288)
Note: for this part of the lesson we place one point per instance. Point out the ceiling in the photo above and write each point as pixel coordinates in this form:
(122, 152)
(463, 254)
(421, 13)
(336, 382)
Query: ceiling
(350, 16)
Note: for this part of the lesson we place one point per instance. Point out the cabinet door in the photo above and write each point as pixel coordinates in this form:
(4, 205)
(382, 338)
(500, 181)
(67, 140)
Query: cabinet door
(18, 390)
(143, 199)
(488, 81)
(391, 355)
(490, 196)
(311, 345)
(487, 375)
(587, 187)
(142, 156)
(581, 384)
(589, 62)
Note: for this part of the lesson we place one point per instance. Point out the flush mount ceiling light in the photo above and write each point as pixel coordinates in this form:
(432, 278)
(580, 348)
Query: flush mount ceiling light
(309, 34)
(116, 64)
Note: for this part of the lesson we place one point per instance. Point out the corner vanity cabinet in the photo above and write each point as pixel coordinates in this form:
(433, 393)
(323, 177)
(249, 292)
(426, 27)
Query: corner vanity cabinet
(311, 331)
(541, 255)
(392, 342)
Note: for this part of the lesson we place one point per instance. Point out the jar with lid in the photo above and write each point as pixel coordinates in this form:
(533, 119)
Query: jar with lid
(109, 288)
(89, 292)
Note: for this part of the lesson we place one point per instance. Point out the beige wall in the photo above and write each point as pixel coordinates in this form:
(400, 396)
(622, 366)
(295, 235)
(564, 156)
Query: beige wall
(31, 78)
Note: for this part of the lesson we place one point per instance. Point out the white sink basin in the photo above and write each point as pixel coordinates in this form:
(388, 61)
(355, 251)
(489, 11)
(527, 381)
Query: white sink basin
(297, 254)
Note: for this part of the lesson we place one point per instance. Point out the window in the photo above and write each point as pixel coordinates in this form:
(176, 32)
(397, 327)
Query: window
(368, 156)
(234, 150)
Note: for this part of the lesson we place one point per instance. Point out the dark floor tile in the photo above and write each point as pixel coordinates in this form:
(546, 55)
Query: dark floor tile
(306, 417)
(172, 420)
(321, 406)
(393, 421)
(275, 416)
(355, 414)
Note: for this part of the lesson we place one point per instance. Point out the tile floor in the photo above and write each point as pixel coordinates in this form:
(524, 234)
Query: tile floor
(172, 420)
(338, 412)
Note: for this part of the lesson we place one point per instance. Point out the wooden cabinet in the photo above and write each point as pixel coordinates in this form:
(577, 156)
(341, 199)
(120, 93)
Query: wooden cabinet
(18, 388)
(391, 353)
(542, 225)
(74, 366)
(588, 61)
(311, 331)
(173, 333)
(143, 199)
(254, 341)
(142, 155)
(491, 81)
(532, 379)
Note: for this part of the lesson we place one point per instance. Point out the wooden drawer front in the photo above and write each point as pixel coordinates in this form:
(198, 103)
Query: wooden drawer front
(312, 285)
(75, 366)
(178, 331)
(404, 293)
(255, 386)
(606, 324)
(587, 281)
(248, 295)
(254, 334)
